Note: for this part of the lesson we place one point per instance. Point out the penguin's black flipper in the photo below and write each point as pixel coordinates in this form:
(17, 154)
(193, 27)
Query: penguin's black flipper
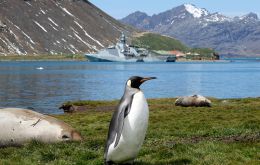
(117, 122)
(120, 122)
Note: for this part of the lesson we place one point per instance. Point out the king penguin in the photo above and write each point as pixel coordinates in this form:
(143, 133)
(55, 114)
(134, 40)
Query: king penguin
(128, 125)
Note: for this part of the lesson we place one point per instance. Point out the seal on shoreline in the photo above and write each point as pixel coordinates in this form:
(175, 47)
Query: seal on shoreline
(19, 126)
(195, 101)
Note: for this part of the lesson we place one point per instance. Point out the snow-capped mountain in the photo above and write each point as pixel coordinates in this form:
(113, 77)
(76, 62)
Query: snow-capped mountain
(196, 12)
(55, 26)
(197, 27)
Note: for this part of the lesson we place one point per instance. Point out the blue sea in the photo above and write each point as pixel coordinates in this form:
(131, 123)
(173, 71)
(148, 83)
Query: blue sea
(23, 84)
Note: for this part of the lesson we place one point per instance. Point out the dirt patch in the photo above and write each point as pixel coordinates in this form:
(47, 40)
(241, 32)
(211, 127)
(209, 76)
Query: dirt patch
(225, 139)
(139, 34)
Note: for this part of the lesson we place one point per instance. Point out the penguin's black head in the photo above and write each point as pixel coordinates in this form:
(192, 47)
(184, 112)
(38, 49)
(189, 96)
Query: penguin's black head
(136, 81)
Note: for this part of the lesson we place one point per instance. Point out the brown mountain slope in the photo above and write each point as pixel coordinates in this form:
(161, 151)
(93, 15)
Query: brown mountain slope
(55, 26)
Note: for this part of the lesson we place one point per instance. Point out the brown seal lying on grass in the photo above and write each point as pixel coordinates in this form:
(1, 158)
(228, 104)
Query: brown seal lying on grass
(19, 126)
(195, 101)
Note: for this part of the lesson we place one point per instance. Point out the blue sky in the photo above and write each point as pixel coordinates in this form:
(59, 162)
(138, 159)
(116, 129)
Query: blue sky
(121, 8)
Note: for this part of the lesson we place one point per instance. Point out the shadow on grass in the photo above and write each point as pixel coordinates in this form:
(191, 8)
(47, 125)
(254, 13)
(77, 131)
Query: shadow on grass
(173, 162)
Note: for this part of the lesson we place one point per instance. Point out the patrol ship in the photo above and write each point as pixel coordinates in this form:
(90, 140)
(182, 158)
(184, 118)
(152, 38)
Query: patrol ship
(121, 52)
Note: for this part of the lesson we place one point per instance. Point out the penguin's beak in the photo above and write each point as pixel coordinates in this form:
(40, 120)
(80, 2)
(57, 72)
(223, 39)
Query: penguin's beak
(147, 78)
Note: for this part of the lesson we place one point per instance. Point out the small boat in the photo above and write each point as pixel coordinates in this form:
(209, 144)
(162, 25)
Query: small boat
(39, 68)
(121, 52)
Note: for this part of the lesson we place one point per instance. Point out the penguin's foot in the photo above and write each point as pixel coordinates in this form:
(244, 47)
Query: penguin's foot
(126, 163)
(108, 163)
(131, 162)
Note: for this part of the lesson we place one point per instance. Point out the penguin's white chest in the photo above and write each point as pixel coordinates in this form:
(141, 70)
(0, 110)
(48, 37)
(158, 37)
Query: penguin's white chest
(133, 133)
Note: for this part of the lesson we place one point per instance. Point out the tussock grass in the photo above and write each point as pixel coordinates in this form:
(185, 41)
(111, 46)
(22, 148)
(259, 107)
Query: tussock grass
(227, 133)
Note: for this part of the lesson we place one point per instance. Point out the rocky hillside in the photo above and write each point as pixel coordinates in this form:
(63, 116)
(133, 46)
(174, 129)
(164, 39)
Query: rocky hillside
(55, 26)
(198, 27)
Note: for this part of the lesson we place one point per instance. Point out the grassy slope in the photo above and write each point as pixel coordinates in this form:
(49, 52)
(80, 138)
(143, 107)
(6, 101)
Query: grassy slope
(227, 133)
(154, 41)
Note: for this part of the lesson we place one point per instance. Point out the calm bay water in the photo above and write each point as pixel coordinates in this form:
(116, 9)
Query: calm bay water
(22, 85)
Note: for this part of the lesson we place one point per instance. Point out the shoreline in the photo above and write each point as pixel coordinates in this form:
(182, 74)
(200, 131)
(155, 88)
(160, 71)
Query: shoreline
(77, 57)
(57, 60)
(213, 61)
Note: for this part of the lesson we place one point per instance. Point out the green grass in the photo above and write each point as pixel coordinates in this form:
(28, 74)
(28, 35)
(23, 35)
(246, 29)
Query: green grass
(43, 57)
(157, 42)
(227, 133)
(154, 41)
(205, 51)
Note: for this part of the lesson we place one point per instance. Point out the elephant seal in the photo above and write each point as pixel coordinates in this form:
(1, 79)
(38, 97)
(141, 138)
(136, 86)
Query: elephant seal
(19, 126)
(195, 101)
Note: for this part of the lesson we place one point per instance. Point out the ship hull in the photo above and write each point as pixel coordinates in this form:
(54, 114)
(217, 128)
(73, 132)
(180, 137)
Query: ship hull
(108, 58)
(96, 59)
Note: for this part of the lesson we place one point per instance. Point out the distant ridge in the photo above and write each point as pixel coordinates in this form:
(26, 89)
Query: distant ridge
(55, 26)
(197, 27)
